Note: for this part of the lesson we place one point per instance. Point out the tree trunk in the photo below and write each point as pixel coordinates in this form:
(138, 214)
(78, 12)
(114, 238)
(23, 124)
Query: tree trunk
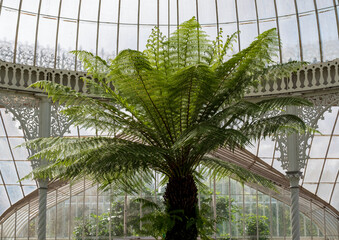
(181, 199)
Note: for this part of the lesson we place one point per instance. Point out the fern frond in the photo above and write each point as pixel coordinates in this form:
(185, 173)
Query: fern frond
(219, 169)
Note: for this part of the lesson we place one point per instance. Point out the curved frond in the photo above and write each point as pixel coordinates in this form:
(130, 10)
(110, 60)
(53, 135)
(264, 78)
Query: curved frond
(217, 168)
(270, 126)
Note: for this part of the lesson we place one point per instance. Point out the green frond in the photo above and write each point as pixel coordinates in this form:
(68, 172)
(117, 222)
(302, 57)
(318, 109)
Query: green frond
(166, 109)
(241, 71)
(279, 71)
(61, 94)
(281, 102)
(206, 138)
(220, 49)
(95, 66)
(219, 169)
(270, 126)
(147, 204)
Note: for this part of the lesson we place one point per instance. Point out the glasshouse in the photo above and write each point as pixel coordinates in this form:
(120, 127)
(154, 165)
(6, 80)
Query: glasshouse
(169, 119)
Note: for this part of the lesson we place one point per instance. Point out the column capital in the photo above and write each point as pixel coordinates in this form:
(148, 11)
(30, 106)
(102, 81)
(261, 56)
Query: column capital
(294, 177)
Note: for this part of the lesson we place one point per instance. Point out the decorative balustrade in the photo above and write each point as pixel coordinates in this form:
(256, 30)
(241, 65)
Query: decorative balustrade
(19, 77)
(309, 78)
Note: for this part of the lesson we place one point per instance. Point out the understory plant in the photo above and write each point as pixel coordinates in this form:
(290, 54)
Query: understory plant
(170, 108)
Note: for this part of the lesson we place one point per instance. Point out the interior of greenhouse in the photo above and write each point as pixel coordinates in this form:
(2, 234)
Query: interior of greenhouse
(36, 40)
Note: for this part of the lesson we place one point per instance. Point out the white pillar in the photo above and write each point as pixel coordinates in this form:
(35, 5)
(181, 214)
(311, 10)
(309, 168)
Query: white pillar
(44, 131)
(294, 174)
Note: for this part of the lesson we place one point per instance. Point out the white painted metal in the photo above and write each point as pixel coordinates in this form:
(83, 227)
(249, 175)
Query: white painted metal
(293, 174)
(44, 131)
(309, 78)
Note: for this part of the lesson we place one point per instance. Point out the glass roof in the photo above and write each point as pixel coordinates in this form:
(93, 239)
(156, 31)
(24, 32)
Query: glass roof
(42, 32)
(321, 173)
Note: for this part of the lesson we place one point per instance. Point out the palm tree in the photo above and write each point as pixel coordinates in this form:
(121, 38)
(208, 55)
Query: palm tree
(171, 107)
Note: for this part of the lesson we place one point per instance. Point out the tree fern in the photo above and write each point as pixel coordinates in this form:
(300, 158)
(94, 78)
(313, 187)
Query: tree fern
(170, 107)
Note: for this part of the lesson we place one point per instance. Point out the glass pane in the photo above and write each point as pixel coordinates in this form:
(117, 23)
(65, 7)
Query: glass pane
(20, 153)
(8, 172)
(248, 33)
(30, 5)
(305, 5)
(145, 31)
(226, 13)
(290, 39)
(2, 130)
(128, 37)
(46, 42)
(26, 39)
(309, 37)
(5, 151)
(331, 169)
(207, 11)
(187, 9)
(66, 43)
(324, 191)
(319, 147)
(266, 9)
(329, 35)
(87, 36)
(313, 170)
(12, 127)
(129, 12)
(8, 224)
(50, 7)
(107, 41)
(8, 22)
(312, 187)
(22, 219)
(24, 168)
(229, 29)
(266, 148)
(246, 10)
(15, 193)
(285, 7)
(277, 165)
(89, 10)
(109, 11)
(148, 11)
(333, 151)
(163, 12)
(335, 197)
(325, 3)
(28, 189)
(69, 9)
(11, 3)
(325, 124)
(173, 12)
(4, 202)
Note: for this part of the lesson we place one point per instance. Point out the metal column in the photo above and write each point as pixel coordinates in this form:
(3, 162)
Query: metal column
(294, 175)
(44, 131)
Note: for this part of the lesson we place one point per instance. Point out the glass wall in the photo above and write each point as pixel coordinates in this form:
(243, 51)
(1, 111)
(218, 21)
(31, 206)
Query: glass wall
(82, 211)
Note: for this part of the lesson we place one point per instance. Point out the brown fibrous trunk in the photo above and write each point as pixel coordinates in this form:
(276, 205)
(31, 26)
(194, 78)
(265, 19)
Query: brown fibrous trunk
(181, 199)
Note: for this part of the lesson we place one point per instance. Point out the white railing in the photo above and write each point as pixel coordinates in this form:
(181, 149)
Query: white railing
(19, 77)
(309, 78)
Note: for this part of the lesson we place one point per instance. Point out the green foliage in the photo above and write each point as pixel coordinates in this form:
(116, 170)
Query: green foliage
(171, 106)
(108, 221)
(256, 226)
